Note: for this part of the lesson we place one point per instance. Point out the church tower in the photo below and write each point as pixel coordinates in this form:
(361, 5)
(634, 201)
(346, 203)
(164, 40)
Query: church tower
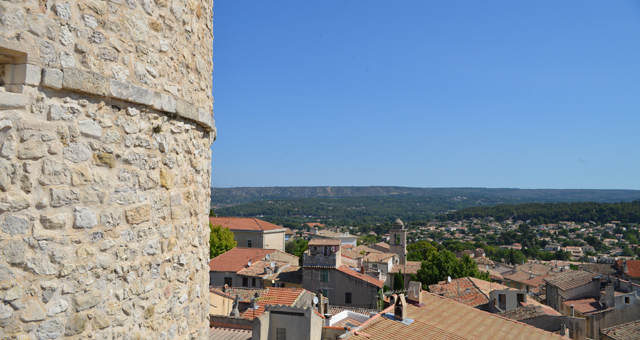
(398, 241)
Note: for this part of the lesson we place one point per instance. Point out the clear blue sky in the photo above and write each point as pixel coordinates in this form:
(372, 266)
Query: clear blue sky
(517, 94)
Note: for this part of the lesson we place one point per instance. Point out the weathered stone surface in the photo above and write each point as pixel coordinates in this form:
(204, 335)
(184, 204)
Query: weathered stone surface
(60, 197)
(58, 112)
(100, 321)
(33, 149)
(76, 325)
(32, 312)
(13, 201)
(77, 152)
(57, 308)
(54, 172)
(138, 214)
(54, 221)
(89, 128)
(15, 225)
(50, 329)
(111, 136)
(82, 301)
(111, 217)
(132, 93)
(41, 266)
(13, 293)
(83, 252)
(85, 218)
(11, 101)
(77, 80)
(14, 252)
(166, 179)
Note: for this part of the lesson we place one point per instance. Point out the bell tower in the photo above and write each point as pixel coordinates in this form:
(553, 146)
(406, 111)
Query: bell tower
(398, 241)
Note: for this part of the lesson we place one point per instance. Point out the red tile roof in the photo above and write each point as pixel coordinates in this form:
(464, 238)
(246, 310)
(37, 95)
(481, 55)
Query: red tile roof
(441, 318)
(633, 267)
(585, 306)
(383, 245)
(257, 269)
(411, 267)
(240, 223)
(570, 279)
(360, 276)
(324, 242)
(237, 259)
(536, 281)
(379, 257)
(274, 296)
(626, 331)
(462, 290)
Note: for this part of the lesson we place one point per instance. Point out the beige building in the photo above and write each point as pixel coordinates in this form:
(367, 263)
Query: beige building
(253, 268)
(253, 232)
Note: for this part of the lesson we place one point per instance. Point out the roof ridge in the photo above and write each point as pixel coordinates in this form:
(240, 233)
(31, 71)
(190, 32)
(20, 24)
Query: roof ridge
(473, 282)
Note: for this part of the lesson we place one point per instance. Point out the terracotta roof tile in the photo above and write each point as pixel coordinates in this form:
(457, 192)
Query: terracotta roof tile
(523, 313)
(379, 257)
(626, 331)
(441, 318)
(324, 242)
(237, 259)
(600, 268)
(570, 279)
(462, 290)
(360, 276)
(383, 245)
(240, 223)
(536, 281)
(274, 296)
(585, 306)
(633, 267)
(257, 269)
(411, 267)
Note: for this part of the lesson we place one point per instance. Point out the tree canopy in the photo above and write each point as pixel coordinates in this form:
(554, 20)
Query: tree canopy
(220, 241)
(440, 264)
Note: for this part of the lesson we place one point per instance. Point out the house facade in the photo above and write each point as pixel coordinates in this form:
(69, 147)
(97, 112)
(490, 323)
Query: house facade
(253, 232)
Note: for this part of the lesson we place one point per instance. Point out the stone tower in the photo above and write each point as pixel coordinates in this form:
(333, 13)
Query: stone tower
(106, 123)
(398, 241)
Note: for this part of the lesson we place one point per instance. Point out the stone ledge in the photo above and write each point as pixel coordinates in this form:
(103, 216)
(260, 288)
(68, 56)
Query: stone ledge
(82, 81)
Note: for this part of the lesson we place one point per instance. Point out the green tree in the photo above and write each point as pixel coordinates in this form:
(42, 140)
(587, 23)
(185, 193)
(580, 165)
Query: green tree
(220, 241)
(444, 263)
(398, 281)
(296, 247)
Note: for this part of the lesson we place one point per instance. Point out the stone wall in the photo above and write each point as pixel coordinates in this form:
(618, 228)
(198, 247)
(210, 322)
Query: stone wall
(105, 131)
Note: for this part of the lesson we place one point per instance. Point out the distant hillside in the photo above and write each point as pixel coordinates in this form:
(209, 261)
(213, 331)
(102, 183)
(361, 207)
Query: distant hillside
(225, 197)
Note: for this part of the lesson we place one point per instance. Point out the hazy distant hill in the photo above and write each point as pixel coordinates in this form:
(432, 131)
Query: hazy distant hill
(232, 196)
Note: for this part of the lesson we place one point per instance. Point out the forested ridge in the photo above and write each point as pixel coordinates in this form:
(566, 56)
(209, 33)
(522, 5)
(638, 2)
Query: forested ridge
(539, 213)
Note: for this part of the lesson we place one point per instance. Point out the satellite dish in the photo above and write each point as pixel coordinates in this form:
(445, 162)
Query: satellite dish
(449, 279)
(315, 300)
(487, 267)
(273, 265)
(268, 257)
(249, 264)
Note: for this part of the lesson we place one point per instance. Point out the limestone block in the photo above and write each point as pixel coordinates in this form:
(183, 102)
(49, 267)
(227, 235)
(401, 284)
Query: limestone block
(131, 93)
(89, 128)
(186, 110)
(41, 266)
(14, 201)
(32, 312)
(138, 214)
(85, 218)
(77, 80)
(103, 158)
(22, 74)
(76, 325)
(164, 102)
(15, 225)
(54, 221)
(33, 149)
(12, 101)
(50, 329)
(77, 152)
(52, 77)
(60, 197)
(100, 321)
(63, 10)
(14, 252)
(82, 301)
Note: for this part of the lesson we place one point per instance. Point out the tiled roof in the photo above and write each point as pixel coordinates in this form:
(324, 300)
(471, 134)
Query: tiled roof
(535, 268)
(324, 242)
(536, 281)
(244, 294)
(379, 257)
(411, 267)
(274, 296)
(483, 261)
(585, 306)
(364, 248)
(523, 313)
(257, 269)
(223, 333)
(633, 267)
(240, 223)
(288, 231)
(237, 259)
(291, 274)
(383, 245)
(348, 253)
(626, 331)
(600, 268)
(570, 279)
(360, 276)
(518, 276)
(462, 290)
(441, 318)
(333, 310)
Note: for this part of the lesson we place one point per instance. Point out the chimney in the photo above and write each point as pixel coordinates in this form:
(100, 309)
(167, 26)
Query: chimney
(573, 314)
(415, 292)
(320, 303)
(609, 298)
(400, 310)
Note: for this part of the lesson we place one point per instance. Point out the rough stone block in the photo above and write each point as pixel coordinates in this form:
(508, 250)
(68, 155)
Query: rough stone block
(89, 128)
(74, 79)
(22, 74)
(10, 101)
(52, 77)
(186, 110)
(164, 102)
(131, 93)
(139, 214)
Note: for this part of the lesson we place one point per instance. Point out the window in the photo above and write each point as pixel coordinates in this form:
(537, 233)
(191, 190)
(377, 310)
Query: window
(374, 265)
(324, 275)
(227, 281)
(627, 300)
(248, 243)
(325, 293)
(245, 282)
(347, 298)
(253, 281)
(502, 301)
(281, 334)
(520, 297)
